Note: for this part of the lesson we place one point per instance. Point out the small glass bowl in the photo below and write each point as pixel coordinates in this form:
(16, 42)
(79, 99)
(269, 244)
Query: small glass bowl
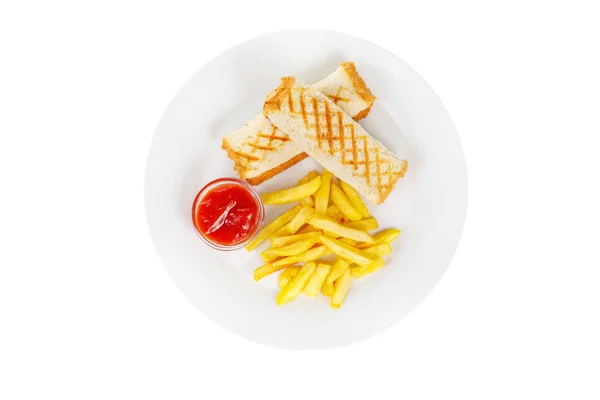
(250, 189)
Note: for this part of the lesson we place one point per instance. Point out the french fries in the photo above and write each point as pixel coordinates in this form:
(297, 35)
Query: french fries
(327, 289)
(344, 250)
(313, 287)
(326, 224)
(361, 270)
(296, 222)
(355, 199)
(331, 234)
(307, 201)
(314, 229)
(349, 242)
(292, 194)
(343, 202)
(311, 175)
(340, 289)
(380, 249)
(308, 255)
(290, 250)
(332, 211)
(280, 241)
(287, 275)
(340, 218)
(293, 289)
(307, 229)
(267, 269)
(387, 235)
(336, 271)
(367, 224)
(322, 195)
(273, 227)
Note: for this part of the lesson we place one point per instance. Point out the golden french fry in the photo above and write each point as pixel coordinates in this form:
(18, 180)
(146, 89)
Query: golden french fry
(367, 224)
(387, 235)
(337, 270)
(340, 290)
(292, 194)
(308, 255)
(307, 229)
(384, 236)
(296, 222)
(327, 289)
(299, 220)
(311, 175)
(327, 224)
(292, 249)
(308, 201)
(287, 275)
(322, 195)
(280, 241)
(292, 289)
(313, 287)
(343, 202)
(344, 250)
(380, 249)
(355, 199)
(332, 210)
(267, 269)
(331, 234)
(340, 218)
(361, 270)
(274, 226)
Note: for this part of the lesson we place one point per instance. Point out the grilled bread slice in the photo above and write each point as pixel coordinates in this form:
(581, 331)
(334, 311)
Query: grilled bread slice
(322, 129)
(260, 151)
(347, 89)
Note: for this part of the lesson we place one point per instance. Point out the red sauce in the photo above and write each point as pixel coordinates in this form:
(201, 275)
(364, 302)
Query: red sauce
(227, 214)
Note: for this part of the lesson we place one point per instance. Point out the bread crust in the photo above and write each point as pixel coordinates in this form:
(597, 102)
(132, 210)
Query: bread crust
(279, 95)
(257, 180)
(363, 113)
(240, 161)
(359, 85)
(385, 193)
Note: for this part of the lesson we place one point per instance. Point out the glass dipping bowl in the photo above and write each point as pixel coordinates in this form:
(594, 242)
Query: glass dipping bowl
(250, 190)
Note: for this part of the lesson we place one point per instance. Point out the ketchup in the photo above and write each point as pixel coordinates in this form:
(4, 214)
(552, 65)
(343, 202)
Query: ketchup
(227, 214)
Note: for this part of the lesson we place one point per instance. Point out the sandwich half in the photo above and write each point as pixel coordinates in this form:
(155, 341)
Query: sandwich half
(321, 129)
(260, 150)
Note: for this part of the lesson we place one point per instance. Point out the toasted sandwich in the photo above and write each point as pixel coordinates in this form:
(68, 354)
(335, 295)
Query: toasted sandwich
(320, 128)
(260, 150)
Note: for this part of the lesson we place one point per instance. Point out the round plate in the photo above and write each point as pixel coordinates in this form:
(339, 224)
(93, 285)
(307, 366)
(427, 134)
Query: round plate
(428, 205)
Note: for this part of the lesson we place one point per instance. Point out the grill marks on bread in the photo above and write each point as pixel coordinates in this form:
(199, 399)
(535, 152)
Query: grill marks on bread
(321, 129)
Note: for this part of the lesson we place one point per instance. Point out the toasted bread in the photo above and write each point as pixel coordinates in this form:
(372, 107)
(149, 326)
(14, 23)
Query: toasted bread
(260, 150)
(320, 128)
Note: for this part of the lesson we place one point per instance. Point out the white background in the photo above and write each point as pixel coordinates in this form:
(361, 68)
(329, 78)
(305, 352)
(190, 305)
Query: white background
(86, 309)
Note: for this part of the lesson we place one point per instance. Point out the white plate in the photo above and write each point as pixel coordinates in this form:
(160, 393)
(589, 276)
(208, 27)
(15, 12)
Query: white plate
(429, 204)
